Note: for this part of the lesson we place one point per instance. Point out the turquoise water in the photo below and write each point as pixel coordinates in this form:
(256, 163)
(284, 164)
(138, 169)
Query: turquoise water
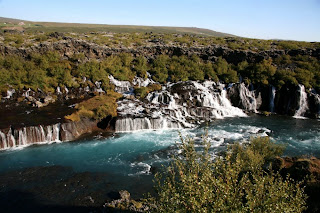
(138, 153)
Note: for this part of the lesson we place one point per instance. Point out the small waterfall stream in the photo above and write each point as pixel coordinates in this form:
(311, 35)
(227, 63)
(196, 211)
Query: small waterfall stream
(248, 98)
(272, 95)
(303, 103)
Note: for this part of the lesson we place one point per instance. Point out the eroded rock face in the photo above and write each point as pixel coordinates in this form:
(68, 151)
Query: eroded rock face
(68, 46)
(244, 97)
(293, 101)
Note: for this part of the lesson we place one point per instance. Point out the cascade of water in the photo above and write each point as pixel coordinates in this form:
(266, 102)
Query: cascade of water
(317, 96)
(3, 141)
(29, 135)
(140, 82)
(218, 101)
(175, 108)
(248, 98)
(129, 124)
(11, 139)
(121, 86)
(10, 92)
(272, 95)
(303, 102)
(22, 136)
(58, 90)
(55, 132)
(27, 93)
(87, 89)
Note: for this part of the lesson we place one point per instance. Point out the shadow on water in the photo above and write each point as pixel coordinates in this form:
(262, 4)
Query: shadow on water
(60, 189)
(19, 201)
(20, 115)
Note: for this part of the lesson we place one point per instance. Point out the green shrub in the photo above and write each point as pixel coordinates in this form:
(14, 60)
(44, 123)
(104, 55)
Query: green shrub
(142, 92)
(236, 182)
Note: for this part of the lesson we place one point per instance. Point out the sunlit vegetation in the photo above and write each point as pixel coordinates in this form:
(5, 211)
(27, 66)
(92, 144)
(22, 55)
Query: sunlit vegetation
(50, 70)
(239, 181)
(133, 39)
(97, 107)
(144, 91)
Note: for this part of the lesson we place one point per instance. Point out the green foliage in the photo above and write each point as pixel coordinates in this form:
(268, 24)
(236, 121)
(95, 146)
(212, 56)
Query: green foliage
(236, 182)
(141, 66)
(119, 66)
(142, 92)
(159, 69)
(209, 73)
(225, 71)
(50, 69)
(97, 107)
(283, 77)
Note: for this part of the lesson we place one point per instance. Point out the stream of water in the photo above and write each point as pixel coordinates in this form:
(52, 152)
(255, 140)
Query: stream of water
(135, 153)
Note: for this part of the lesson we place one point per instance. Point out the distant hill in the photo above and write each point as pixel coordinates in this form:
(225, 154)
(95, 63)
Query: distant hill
(79, 27)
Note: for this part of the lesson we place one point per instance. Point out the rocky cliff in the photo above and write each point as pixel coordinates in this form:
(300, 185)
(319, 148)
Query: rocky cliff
(69, 46)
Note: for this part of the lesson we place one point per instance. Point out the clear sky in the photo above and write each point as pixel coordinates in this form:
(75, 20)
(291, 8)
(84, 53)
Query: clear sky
(267, 19)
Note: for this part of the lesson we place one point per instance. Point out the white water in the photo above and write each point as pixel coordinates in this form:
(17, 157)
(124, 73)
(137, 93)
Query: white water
(121, 86)
(29, 135)
(135, 124)
(272, 96)
(318, 102)
(303, 103)
(58, 90)
(248, 98)
(167, 109)
(10, 92)
(140, 82)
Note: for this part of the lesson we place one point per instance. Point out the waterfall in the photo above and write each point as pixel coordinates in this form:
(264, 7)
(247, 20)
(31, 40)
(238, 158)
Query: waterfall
(140, 82)
(133, 124)
(3, 140)
(121, 86)
(272, 95)
(181, 105)
(58, 90)
(303, 103)
(217, 101)
(317, 96)
(10, 92)
(248, 98)
(29, 135)
(27, 93)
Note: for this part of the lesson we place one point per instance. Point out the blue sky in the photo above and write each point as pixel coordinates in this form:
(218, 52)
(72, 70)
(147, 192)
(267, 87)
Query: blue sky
(266, 19)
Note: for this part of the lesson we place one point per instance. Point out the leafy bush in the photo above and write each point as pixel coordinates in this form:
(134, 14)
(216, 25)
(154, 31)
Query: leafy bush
(143, 91)
(236, 182)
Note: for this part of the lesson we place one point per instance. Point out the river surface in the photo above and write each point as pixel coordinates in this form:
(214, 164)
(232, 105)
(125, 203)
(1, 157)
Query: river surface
(129, 159)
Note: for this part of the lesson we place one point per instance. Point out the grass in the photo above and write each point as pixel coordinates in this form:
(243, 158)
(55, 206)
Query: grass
(97, 107)
(85, 28)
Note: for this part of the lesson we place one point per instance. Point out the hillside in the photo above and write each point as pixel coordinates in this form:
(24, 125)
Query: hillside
(83, 28)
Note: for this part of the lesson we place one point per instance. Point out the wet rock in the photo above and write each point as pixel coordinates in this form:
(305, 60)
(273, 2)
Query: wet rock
(125, 203)
(298, 168)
